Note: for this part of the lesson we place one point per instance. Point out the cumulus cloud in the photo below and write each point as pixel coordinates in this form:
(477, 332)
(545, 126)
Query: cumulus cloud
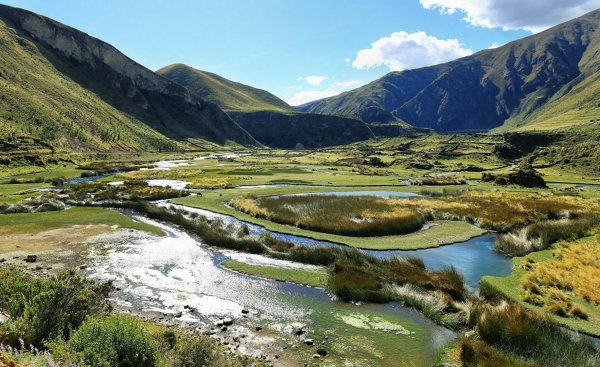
(402, 50)
(312, 95)
(532, 15)
(313, 79)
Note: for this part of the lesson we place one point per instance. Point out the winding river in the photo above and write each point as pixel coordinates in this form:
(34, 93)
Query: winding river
(178, 278)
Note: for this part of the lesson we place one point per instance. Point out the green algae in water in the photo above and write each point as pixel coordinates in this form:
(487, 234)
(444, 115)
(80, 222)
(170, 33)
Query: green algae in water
(363, 321)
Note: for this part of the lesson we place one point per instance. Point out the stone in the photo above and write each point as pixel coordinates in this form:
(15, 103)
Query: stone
(258, 328)
(322, 351)
(31, 258)
(245, 311)
(227, 321)
(309, 342)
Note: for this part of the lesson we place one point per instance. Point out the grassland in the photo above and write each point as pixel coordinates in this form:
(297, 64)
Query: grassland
(298, 276)
(37, 222)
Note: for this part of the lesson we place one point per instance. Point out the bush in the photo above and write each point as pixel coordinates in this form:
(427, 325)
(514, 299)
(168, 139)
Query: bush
(193, 351)
(44, 308)
(114, 341)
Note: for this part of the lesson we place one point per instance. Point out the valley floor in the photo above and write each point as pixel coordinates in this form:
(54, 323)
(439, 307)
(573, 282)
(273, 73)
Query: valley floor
(154, 261)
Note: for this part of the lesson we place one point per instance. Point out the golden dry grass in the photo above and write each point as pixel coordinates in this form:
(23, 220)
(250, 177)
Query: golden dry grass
(574, 270)
(503, 209)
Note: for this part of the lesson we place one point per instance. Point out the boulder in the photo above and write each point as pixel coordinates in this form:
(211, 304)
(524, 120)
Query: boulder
(31, 258)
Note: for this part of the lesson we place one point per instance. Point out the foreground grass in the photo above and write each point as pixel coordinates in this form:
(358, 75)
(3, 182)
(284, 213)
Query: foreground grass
(554, 282)
(67, 320)
(38, 222)
(298, 276)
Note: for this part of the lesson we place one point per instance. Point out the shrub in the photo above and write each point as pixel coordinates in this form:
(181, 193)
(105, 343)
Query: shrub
(194, 351)
(45, 308)
(114, 341)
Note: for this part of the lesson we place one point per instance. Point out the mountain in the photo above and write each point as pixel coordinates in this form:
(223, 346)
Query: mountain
(545, 81)
(267, 118)
(229, 95)
(75, 92)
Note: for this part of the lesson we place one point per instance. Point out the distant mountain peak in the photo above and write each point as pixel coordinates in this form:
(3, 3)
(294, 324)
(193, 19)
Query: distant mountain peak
(524, 84)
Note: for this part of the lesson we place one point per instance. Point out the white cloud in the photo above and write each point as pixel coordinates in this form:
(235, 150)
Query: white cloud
(402, 50)
(313, 79)
(311, 95)
(530, 15)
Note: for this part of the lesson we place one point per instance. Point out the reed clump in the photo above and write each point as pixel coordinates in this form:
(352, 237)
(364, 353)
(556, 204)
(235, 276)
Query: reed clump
(541, 235)
(511, 329)
(359, 217)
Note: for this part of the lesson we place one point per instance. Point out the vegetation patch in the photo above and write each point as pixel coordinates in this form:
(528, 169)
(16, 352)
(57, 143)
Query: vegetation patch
(361, 216)
(519, 337)
(503, 210)
(298, 276)
(560, 283)
(572, 271)
(67, 320)
(37, 222)
(540, 235)
(211, 183)
(525, 176)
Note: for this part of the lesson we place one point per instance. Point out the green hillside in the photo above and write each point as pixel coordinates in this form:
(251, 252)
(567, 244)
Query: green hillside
(76, 93)
(267, 118)
(229, 95)
(544, 81)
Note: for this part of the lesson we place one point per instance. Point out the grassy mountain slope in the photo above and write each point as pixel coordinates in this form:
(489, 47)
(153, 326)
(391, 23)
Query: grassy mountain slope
(78, 93)
(267, 118)
(229, 95)
(525, 81)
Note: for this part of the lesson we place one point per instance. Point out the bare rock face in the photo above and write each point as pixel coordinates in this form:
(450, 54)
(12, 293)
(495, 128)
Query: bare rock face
(165, 106)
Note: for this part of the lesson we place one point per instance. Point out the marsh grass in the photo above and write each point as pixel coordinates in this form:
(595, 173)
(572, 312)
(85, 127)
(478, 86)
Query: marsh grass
(211, 183)
(356, 216)
(501, 211)
(572, 271)
(132, 190)
(541, 235)
(512, 329)
(33, 205)
(437, 181)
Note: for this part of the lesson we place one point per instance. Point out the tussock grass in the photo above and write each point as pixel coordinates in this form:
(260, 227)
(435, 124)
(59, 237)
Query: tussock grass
(573, 270)
(540, 235)
(357, 216)
(513, 329)
(34, 205)
(211, 183)
(502, 210)
(133, 190)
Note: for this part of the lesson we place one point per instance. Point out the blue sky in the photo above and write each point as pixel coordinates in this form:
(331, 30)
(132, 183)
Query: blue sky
(304, 49)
